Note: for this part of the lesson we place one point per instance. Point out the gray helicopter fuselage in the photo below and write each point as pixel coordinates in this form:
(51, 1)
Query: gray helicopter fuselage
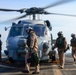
(18, 31)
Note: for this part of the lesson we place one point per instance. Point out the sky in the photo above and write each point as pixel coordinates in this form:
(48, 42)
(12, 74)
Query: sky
(59, 23)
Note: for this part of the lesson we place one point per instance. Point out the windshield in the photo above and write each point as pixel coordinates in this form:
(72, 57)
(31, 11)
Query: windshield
(39, 29)
(15, 31)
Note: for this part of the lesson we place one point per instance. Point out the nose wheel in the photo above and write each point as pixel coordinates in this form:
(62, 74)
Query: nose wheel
(52, 56)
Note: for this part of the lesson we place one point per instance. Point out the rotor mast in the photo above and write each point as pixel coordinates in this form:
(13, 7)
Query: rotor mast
(34, 16)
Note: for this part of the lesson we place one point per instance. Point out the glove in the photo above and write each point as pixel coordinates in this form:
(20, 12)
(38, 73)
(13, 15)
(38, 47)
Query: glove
(68, 46)
(53, 47)
(65, 50)
(30, 50)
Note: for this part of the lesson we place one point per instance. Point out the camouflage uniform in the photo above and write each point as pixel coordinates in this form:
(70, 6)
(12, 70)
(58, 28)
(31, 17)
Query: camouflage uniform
(61, 50)
(32, 44)
(73, 45)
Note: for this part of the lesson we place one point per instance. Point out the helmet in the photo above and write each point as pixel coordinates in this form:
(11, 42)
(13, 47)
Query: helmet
(0, 35)
(72, 35)
(60, 33)
(29, 29)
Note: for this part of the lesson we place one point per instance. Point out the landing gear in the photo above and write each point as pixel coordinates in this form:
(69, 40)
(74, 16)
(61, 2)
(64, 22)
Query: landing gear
(11, 60)
(52, 55)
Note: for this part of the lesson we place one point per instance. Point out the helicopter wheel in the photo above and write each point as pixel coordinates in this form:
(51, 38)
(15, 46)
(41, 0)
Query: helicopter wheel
(52, 56)
(11, 60)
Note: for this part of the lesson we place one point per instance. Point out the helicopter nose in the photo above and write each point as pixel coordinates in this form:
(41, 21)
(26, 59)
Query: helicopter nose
(12, 43)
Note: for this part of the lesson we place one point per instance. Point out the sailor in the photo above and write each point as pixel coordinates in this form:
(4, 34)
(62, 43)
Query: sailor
(61, 45)
(32, 55)
(0, 47)
(73, 45)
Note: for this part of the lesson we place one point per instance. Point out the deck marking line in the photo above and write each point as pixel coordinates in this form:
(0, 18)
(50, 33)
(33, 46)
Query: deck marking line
(56, 71)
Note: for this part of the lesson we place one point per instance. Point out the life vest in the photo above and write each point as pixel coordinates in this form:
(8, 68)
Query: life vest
(29, 40)
(60, 42)
(73, 42)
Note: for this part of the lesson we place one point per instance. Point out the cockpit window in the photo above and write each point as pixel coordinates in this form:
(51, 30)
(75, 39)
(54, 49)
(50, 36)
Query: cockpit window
(15, 31)
(39, 29)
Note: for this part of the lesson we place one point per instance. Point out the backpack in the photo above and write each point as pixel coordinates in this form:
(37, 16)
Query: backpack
(73, 42)
(60, 42)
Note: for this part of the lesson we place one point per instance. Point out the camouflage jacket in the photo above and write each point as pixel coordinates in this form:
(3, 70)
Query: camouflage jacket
(73, 42)
(32, 41)
(61, 43)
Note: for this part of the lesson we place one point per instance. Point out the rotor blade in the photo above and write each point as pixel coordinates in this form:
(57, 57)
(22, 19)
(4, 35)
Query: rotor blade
(11, 20)
(9, 10)
(1, 9)
(63, 14)
(19, 17)
(58, 3)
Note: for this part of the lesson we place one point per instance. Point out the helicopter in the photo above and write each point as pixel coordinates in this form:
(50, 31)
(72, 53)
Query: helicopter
(17, 34)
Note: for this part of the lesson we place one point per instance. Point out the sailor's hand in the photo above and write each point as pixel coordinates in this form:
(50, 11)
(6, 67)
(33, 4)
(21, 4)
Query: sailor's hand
(53, 47)
(65, 50)
(68, 46)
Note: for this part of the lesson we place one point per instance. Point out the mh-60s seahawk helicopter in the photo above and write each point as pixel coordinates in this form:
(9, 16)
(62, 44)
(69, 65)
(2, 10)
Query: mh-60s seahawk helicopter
(17, 34)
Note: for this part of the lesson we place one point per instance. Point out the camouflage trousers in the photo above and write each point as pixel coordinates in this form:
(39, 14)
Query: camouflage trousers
(74, 53)
(37, 67)
(61, 57)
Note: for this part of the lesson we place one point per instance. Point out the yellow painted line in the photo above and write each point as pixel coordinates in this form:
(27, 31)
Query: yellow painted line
(56, 71)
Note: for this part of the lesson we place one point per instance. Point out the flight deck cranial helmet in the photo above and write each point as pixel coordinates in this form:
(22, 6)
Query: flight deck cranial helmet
(29, 29)
(73, 35)
(60, 33)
